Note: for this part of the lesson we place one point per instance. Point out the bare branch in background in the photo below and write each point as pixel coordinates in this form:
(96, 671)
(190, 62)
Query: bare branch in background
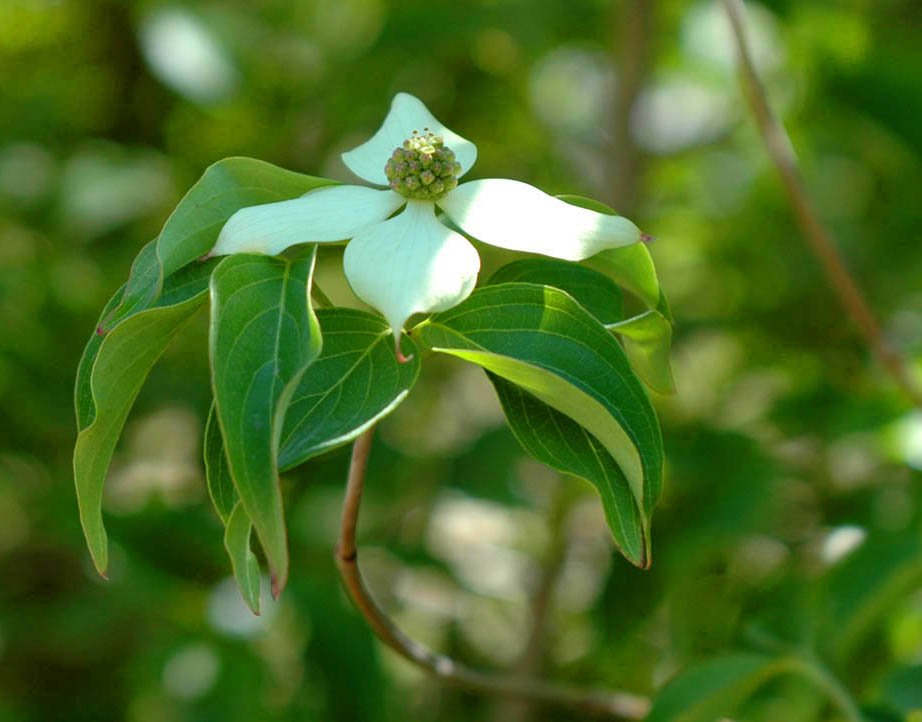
(631, 58)
(597, 703)
(819, 239)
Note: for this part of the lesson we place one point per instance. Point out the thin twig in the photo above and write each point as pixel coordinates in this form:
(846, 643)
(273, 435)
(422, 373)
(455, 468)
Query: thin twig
(600, 703)
(820, 240)
(631, 59)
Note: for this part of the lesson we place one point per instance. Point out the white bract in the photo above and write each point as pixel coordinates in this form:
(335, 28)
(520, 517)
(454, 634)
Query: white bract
(412, 263)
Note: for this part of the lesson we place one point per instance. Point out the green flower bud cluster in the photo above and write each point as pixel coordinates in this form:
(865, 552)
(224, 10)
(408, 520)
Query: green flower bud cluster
(423, 168)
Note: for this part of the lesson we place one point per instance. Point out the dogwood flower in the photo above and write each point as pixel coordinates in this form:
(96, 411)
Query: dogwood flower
(410, 262)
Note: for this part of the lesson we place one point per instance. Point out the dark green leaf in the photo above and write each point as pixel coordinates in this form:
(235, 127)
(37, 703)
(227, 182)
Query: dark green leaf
(540, 339)
(263, 336)
(714, 689)
(356, 381)
(647, 337)
(556, 440)
(596, 292)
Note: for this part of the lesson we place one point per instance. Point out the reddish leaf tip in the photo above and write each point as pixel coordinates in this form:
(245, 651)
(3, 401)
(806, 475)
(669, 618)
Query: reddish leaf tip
(645, 238)
(100, 331)
(276, 588)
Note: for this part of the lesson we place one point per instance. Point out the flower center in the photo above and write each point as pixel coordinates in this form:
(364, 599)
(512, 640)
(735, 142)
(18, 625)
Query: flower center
(423, 168)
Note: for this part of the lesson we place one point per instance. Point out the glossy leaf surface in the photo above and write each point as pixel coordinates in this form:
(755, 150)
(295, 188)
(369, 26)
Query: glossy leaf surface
(263, 336)
(356, 381)
(540, 339)
(556, 440)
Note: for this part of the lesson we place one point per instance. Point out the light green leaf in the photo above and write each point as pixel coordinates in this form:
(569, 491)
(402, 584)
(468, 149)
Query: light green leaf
(264, 335)
(141, 291)
(715, 689)
(356, 381)
(193, 227)
(556, 440)
(244, 562)
(596, 292)
(540, 339)
(631, 267)
(110, 375)
(647, 340)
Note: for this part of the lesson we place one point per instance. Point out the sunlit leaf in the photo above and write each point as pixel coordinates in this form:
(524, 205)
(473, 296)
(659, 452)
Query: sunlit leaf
(647, 340)
(631, 267)
(263, 336)
(540, 339)
(193, 227)
(597, 293)
(647, 336)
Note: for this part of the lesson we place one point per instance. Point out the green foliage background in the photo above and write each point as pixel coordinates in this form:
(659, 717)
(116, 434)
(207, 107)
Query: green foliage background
(785, 442)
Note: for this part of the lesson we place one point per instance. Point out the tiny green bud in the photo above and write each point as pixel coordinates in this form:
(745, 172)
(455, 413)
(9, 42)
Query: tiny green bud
(422, 168)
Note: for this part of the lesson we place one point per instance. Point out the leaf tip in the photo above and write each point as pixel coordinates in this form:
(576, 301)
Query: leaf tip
(277, 586)
(647, 238)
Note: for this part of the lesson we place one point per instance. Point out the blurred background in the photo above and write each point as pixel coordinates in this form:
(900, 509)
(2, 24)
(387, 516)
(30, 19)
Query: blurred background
(791, 513)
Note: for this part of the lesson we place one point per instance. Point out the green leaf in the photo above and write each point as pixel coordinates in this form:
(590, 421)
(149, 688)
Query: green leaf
(217, 472)
(84, 404)
(902, 688)
(264, 334)
(356, 381)
(233, 514)
(647, 337)
(111, 373)
(860, 591)
(561, 443)
(631, 267)
(245, 565)
(647, 340)
(596, 292)
(142, 289)
(716, 688)
(193, 227)
(540, 339)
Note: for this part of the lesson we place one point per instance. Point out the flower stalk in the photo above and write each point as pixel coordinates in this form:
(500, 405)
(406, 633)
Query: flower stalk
(604, 704)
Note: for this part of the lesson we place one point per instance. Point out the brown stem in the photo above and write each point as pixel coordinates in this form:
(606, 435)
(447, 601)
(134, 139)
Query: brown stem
(632, 40)
(819, 239)
(599, 703)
